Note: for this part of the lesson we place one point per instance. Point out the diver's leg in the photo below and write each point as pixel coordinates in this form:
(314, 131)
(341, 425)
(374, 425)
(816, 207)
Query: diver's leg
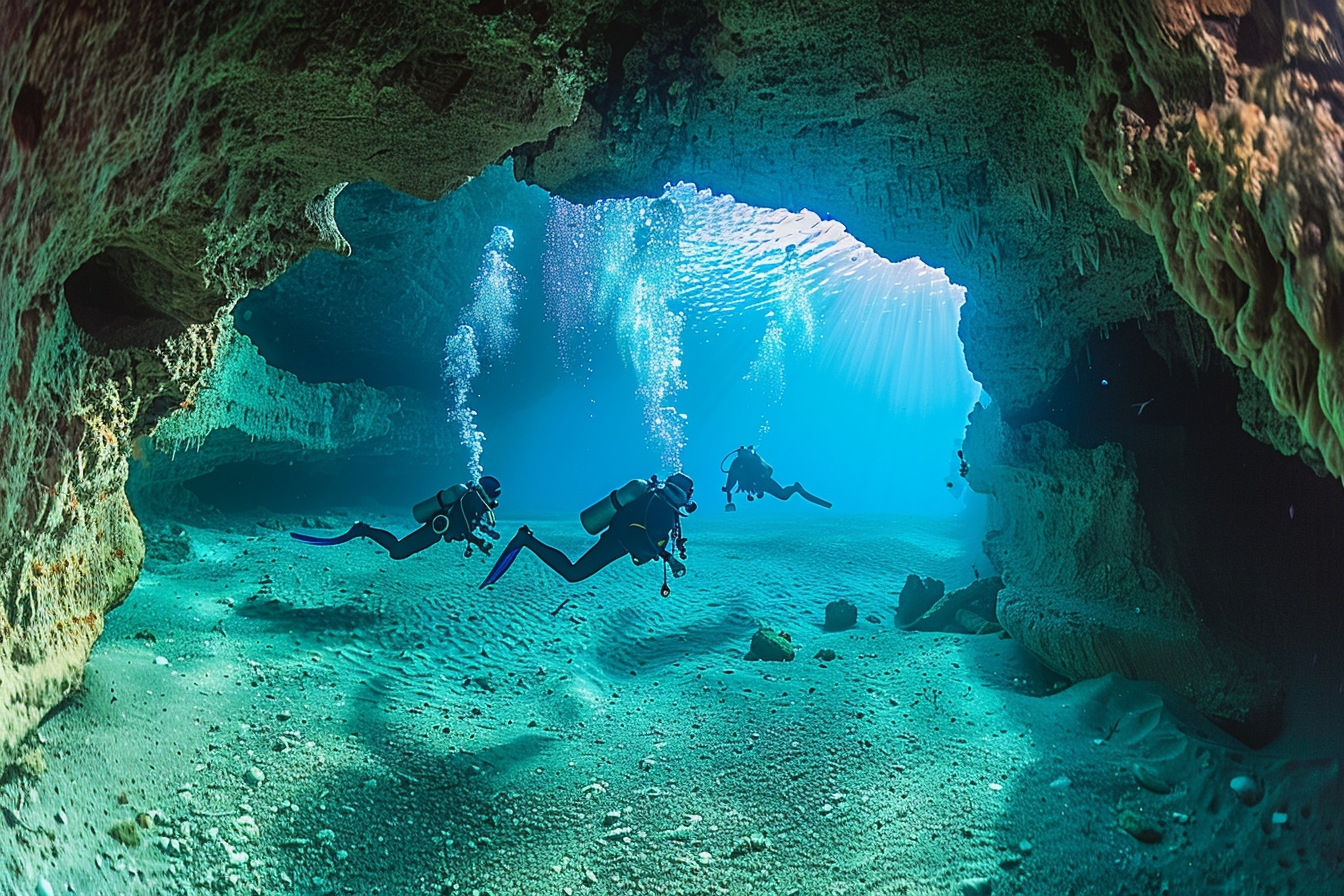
(400, 549)
(808, 496)
(771, 487)
(607, 550)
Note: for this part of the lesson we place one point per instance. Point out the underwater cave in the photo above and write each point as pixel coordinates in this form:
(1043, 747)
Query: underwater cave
(399, 403)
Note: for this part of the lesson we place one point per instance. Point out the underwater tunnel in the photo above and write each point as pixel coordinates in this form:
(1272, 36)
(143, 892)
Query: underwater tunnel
(399, 402)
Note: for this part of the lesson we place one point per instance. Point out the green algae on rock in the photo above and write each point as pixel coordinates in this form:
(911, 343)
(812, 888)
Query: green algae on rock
(771, 646)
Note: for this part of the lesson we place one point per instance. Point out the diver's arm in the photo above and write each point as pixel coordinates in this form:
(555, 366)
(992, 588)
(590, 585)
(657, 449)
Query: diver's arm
(678, 568)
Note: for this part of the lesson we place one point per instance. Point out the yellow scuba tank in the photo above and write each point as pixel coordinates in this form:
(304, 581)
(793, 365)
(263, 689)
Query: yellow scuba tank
(432, 506)
(599, 516)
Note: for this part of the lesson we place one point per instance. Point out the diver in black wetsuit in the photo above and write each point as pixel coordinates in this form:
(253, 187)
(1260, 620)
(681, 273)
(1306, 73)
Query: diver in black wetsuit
(751, 474)
(454, 514)
(647, 527)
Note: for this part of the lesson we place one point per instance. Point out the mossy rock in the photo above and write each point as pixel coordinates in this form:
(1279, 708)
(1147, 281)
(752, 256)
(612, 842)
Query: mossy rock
(125, 832)
(771, 646)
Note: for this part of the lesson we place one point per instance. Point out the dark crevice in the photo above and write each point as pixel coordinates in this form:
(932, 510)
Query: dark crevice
(1260, 36)
(1250, 531)
(28, 117)
(105, 303)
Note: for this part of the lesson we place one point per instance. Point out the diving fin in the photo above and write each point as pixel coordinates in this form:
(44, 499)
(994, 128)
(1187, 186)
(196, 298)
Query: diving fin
(511, 552)
(355, 532)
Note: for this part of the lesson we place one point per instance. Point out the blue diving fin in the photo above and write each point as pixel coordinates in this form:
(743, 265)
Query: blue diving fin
(506, 559)
(339, 539)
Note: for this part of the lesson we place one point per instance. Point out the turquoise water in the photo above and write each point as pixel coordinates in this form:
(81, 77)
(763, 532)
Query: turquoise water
(267, 716)
(653, 334)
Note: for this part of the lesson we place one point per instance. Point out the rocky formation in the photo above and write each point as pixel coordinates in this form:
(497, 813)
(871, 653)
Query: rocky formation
(384, 311)
(972, 609)
(1216, 126)
(1082, 587)
(156, 164)
(248, 410)
(944, 130)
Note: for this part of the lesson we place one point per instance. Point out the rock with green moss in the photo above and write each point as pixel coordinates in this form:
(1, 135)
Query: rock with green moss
(125, 833)
(771, 646)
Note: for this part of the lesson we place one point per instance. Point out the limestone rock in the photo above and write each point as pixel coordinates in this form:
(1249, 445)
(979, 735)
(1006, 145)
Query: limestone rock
(1081, 591)
(1203, 133)
(840, 615)
(771, 646)
(944, 614)
(247, 409)
(916, 597)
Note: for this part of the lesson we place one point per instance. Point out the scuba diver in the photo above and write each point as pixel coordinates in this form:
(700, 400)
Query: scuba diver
(454, 514)
(641, 518)
(751, 474)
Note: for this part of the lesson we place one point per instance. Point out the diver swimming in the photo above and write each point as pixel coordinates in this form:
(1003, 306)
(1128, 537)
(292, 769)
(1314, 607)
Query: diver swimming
(456, 513)
(750, 473)
(641, 518)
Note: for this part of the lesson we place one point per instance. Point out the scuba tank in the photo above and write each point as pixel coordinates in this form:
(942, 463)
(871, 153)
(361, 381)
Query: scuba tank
(753, 463)
(599, 515)
(438, 503)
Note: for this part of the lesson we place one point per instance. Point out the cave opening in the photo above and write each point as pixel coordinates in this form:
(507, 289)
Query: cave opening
(641, 334)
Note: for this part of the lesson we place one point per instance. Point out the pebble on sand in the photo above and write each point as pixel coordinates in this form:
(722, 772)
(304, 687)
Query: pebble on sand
(254, 776)
(1248, 790)
(1150, 779)
(1138, 827)
(976, 886)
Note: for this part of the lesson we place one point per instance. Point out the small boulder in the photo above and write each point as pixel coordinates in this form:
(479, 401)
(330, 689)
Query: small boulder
(840, 615)
(771, 646)
(916, 598)
(825, 654)
(976, 886)
(1138, 827)
(1248, 790)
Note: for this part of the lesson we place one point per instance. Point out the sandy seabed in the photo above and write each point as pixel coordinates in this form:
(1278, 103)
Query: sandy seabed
(269, 717)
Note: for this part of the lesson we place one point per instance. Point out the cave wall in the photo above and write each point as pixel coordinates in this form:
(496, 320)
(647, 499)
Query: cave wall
(1086, 590)
(160, 161)
(157, 162)
(1218, 127)
(248, 411)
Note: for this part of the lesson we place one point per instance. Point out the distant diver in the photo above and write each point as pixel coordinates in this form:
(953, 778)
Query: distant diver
(453, 514)
(751, 474)
(641, 519)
